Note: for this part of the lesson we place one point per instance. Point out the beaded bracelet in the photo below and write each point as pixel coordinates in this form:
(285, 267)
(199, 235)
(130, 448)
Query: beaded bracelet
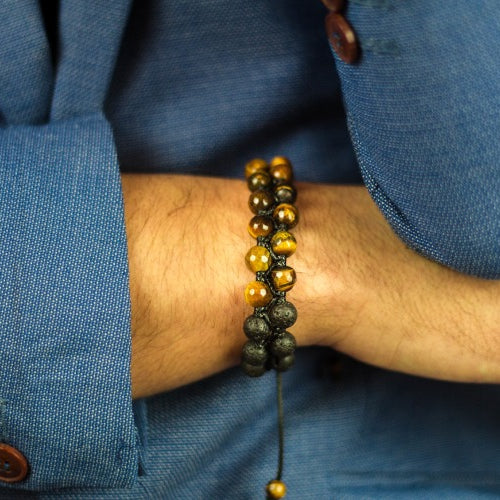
(270, 346)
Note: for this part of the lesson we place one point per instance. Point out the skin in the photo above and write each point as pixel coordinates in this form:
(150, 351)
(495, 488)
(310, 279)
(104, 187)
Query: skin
(359, 289)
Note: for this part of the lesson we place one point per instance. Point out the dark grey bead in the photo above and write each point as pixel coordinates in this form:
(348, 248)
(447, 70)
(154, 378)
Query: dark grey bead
(285, 194)
(283, 345)
(283, 315)
(283, 364)
(253, 353)
(256, 328)
(253, 371)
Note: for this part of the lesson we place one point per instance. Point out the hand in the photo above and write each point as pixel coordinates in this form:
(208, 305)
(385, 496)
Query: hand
(394, 308)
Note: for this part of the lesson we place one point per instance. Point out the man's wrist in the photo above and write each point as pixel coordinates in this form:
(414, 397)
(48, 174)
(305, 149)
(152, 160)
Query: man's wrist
(186, 238)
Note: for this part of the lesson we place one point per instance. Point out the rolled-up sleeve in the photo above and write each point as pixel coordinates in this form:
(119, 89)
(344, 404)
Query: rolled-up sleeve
(65, 395)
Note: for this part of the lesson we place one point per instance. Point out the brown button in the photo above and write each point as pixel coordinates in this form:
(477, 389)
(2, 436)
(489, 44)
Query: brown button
(341, 37)
(334, 5)
(13, 464)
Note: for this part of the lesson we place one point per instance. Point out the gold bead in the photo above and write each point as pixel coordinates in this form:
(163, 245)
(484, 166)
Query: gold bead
(257, 294)
(259, 180)
(287, 214)
(283, 278)
(275, 489)
(258, 259)
(260, 225)
(255, 165)
(280, 160)
(282, 172)
(260, 201)
(283, 243)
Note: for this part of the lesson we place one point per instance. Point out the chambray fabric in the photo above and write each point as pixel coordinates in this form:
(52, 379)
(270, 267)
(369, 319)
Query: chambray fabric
(26, 67)
(65, 314)
(89, 41)
(424, 113)
(368, 434)
(200, 88)
(65, 309)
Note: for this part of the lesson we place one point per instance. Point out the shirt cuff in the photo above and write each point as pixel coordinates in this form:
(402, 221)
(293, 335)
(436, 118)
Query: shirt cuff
(65, 310)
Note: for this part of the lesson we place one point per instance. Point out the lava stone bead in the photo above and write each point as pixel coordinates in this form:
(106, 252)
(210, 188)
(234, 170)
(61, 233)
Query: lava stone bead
(283, 345)
(252, 370)
(256, 328)
(283, 315)
(254, 354)
(283, 364)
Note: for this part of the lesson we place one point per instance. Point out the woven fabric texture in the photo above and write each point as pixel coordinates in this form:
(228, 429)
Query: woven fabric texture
(199, 88)
(424, 112)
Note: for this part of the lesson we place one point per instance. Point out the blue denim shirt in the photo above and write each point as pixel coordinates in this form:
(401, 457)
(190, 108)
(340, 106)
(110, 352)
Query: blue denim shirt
(201, 87)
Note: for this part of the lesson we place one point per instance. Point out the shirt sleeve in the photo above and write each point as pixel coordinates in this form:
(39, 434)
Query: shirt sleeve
(65, 326)
(423, 113)
(65, 395)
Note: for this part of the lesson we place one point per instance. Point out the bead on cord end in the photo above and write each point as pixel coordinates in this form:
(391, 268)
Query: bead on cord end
(275, 489)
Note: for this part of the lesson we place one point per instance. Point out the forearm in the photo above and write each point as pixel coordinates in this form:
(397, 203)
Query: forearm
(187, 240)
(359, 289)
(183, 259)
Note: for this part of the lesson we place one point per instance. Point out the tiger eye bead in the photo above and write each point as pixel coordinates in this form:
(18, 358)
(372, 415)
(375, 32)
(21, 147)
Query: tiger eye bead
(280, 160)
(259, 180)
(285, 193)
(258, 259)
(275, 489)
(255, 165)
(260, 225)
(260, 201)
(282, 172)
(283, 243)
(283, 278)
(257, 294)
(286, 214)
